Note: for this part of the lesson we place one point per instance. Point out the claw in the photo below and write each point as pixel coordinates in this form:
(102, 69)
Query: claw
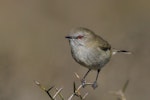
(83, 81)
(94, 85)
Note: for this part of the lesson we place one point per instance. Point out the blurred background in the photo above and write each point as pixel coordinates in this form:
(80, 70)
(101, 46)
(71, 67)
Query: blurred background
(33, 47)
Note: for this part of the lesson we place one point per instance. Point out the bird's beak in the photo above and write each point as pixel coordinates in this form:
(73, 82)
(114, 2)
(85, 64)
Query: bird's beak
(68, 37)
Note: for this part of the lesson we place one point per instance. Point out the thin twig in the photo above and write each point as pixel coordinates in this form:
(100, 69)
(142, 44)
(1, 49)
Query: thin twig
(125, 86)
(85, 96)
(57, 92)
(76, 91)
(44, 89)
(121, 93)
(60, 95)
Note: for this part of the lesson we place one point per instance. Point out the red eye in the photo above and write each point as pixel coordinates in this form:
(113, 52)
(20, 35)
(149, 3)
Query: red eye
(79, 37)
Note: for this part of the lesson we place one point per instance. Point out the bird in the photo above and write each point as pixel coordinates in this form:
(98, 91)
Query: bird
(91, 51)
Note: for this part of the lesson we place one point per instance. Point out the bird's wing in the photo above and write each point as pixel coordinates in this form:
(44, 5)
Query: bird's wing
(104, 45)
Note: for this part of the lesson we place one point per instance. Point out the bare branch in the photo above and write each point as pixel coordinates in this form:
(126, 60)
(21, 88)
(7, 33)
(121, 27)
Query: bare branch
(44, 89)
(85, 96)
(76, 90)
(125, 86)
(120, 93)
(58, 92)
(60, 95)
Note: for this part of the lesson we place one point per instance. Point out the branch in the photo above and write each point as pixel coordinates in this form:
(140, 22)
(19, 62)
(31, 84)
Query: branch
(44, 89)
(121, 93)
(58, 91)
(76, 90)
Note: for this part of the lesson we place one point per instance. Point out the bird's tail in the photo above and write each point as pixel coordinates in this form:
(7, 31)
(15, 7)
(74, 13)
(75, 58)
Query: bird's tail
(114, 51)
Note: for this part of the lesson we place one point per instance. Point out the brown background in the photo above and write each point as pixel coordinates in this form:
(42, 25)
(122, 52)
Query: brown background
(33, 47)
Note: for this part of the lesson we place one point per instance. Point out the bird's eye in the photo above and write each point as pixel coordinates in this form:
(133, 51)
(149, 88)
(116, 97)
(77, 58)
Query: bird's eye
(80, 37)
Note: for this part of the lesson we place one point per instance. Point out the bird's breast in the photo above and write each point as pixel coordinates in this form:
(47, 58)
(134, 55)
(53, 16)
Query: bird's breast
(93, 58)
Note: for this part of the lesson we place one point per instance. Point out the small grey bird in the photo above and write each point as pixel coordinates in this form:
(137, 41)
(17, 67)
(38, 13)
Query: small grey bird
(90, 50)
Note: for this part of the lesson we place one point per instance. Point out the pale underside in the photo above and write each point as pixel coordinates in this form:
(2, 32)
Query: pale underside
(92, 58)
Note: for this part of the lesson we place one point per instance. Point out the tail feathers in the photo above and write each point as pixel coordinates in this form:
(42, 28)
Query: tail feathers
(121, 51)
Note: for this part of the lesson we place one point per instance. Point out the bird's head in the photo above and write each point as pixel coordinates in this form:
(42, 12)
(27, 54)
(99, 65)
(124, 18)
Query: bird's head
(80, 36)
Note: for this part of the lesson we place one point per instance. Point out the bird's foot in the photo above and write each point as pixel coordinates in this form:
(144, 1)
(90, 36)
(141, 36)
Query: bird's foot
(94, 85)
(83, 81)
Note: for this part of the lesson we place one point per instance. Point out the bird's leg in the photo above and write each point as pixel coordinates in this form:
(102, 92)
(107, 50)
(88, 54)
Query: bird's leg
(94, 85)
(83, 79)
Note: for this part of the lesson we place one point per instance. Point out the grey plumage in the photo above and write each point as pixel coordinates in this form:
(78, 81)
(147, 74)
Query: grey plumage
(90, 50)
